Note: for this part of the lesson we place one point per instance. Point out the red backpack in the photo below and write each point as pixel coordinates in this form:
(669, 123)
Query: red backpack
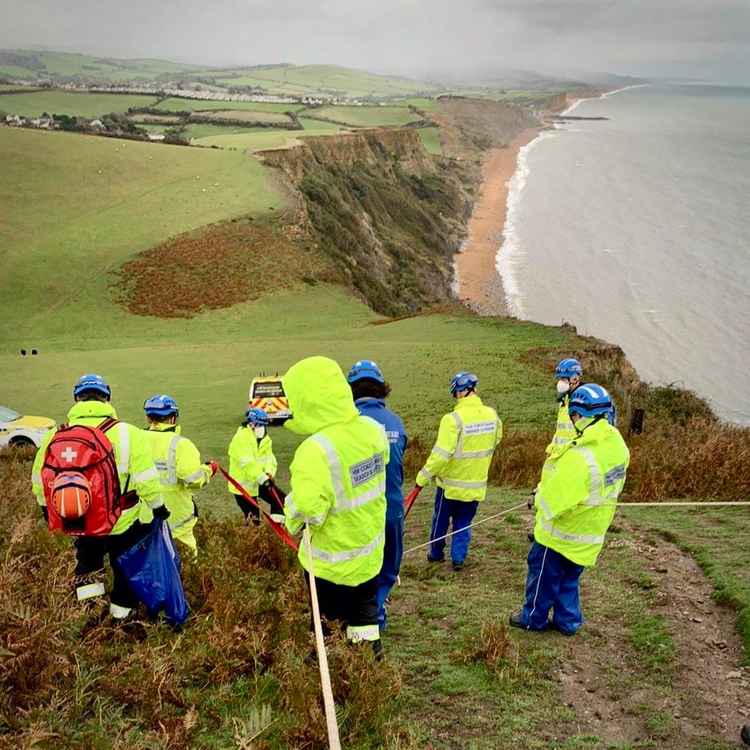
(80, 480)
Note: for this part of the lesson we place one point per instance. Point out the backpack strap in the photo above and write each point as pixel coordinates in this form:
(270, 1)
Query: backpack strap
(108, 424)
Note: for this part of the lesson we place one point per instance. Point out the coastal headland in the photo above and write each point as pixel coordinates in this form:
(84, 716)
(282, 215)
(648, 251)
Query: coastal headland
(190, 270)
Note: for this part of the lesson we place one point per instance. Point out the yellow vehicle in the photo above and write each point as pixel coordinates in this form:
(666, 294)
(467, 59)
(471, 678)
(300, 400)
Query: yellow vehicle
(267, 393)
(19, 431)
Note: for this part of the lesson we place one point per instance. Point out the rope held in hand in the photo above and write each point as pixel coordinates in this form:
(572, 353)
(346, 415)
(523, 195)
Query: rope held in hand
(277, 528)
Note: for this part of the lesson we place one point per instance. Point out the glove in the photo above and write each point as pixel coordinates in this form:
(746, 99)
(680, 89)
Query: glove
(161, 512)
(214, 467)
(530, 501)
(45, 513)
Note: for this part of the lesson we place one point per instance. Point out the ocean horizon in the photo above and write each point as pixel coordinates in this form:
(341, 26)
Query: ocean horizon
(634, 229)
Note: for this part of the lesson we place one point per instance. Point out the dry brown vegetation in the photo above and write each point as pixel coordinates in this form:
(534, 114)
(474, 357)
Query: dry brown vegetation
(217, 267)
(238, 675)
(683, 452)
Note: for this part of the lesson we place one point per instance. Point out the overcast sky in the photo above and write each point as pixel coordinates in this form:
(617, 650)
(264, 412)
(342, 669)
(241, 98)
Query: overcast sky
(685, 38)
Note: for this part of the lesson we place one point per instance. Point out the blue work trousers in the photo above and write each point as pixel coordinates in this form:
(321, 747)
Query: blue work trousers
(552, 583)
(394, 550)
(461, 513)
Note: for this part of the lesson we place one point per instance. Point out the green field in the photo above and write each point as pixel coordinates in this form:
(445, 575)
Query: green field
(420, 103)
(260, 139)
(91, 203)
(366, 117)
(245, 115)
(67, 65)
(198, 130)
(16, 87)
(326, 78)
(70, 103)
(174, 104)
(431, 140)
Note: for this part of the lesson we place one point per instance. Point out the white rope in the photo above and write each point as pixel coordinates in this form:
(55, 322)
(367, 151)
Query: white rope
(696, 504)
(334, 743)
(476, 523)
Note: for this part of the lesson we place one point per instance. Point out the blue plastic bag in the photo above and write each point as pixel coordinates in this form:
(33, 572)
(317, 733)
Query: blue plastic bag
(152, 567)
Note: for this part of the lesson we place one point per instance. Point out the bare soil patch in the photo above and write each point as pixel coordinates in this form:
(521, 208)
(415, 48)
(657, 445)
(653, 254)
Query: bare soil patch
(217, 267)
(706, 695)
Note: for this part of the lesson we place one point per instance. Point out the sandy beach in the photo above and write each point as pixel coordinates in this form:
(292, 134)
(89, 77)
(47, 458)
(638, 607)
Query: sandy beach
(479, 285)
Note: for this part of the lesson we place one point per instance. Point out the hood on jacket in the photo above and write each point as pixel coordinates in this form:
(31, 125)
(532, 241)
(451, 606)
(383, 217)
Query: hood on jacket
(91, 410)
(318, 395)
(163, 427)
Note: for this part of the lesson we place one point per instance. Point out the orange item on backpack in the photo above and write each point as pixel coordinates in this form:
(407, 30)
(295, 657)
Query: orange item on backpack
(71, 495)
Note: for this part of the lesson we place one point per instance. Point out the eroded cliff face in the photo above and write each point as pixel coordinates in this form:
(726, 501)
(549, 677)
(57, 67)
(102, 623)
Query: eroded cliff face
(388, 214)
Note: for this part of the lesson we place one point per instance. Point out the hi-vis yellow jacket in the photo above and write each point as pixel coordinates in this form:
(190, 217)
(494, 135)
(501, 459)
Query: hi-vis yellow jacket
(576, 498)
(460, 459)
(337, 475)
(135, 465)
(564, 430)
(250, 461)
(181, 472)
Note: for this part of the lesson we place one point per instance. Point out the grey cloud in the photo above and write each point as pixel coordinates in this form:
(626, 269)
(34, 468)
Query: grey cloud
(417, 37)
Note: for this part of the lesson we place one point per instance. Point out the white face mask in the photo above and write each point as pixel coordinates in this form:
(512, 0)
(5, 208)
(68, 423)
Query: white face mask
(563, 386)
(260, 432)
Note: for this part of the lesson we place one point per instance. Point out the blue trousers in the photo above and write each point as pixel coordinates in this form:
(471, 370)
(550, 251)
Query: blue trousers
(552, 583)
(461, 513)
(394, 550)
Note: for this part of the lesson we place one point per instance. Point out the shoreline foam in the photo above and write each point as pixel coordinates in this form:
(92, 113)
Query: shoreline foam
(509, 254)
(477, 279)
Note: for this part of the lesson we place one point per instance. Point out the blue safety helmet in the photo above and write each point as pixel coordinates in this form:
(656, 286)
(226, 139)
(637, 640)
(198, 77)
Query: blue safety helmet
(365, 368)
(590, 400)
(568, 368)
(256, 418)
(161, 406)
(463, 381)
(92, 382)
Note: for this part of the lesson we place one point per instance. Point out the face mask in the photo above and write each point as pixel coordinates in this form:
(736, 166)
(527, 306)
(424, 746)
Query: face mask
(563, 386)
(260, 432)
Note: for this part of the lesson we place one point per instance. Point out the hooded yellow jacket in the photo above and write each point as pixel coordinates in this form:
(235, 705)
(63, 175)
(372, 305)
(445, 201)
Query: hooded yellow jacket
(337, 475)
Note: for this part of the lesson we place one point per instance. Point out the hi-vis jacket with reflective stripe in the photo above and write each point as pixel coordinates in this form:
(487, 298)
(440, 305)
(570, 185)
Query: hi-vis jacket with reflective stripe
(250, 461)
(337, 475)
(576, 498)
(460, 459)
(135, 465)
(564, 430)
(178, 462)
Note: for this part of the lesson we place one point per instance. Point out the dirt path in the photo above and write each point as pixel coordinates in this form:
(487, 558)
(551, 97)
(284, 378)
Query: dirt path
(707, 694)
(480, 286)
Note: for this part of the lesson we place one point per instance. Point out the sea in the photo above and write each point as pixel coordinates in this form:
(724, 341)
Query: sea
(636, 229)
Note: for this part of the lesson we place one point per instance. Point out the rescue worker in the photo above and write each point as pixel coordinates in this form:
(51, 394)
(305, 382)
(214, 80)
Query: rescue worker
(568, 374)
(138, 479)
(575, 503)
(370, 390)
(253, 465)
(179, 464)
(338, 489)
(459, 463)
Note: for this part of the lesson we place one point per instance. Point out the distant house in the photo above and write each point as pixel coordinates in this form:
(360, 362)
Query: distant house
(14, 120)
(156, 136)
(97, 124)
